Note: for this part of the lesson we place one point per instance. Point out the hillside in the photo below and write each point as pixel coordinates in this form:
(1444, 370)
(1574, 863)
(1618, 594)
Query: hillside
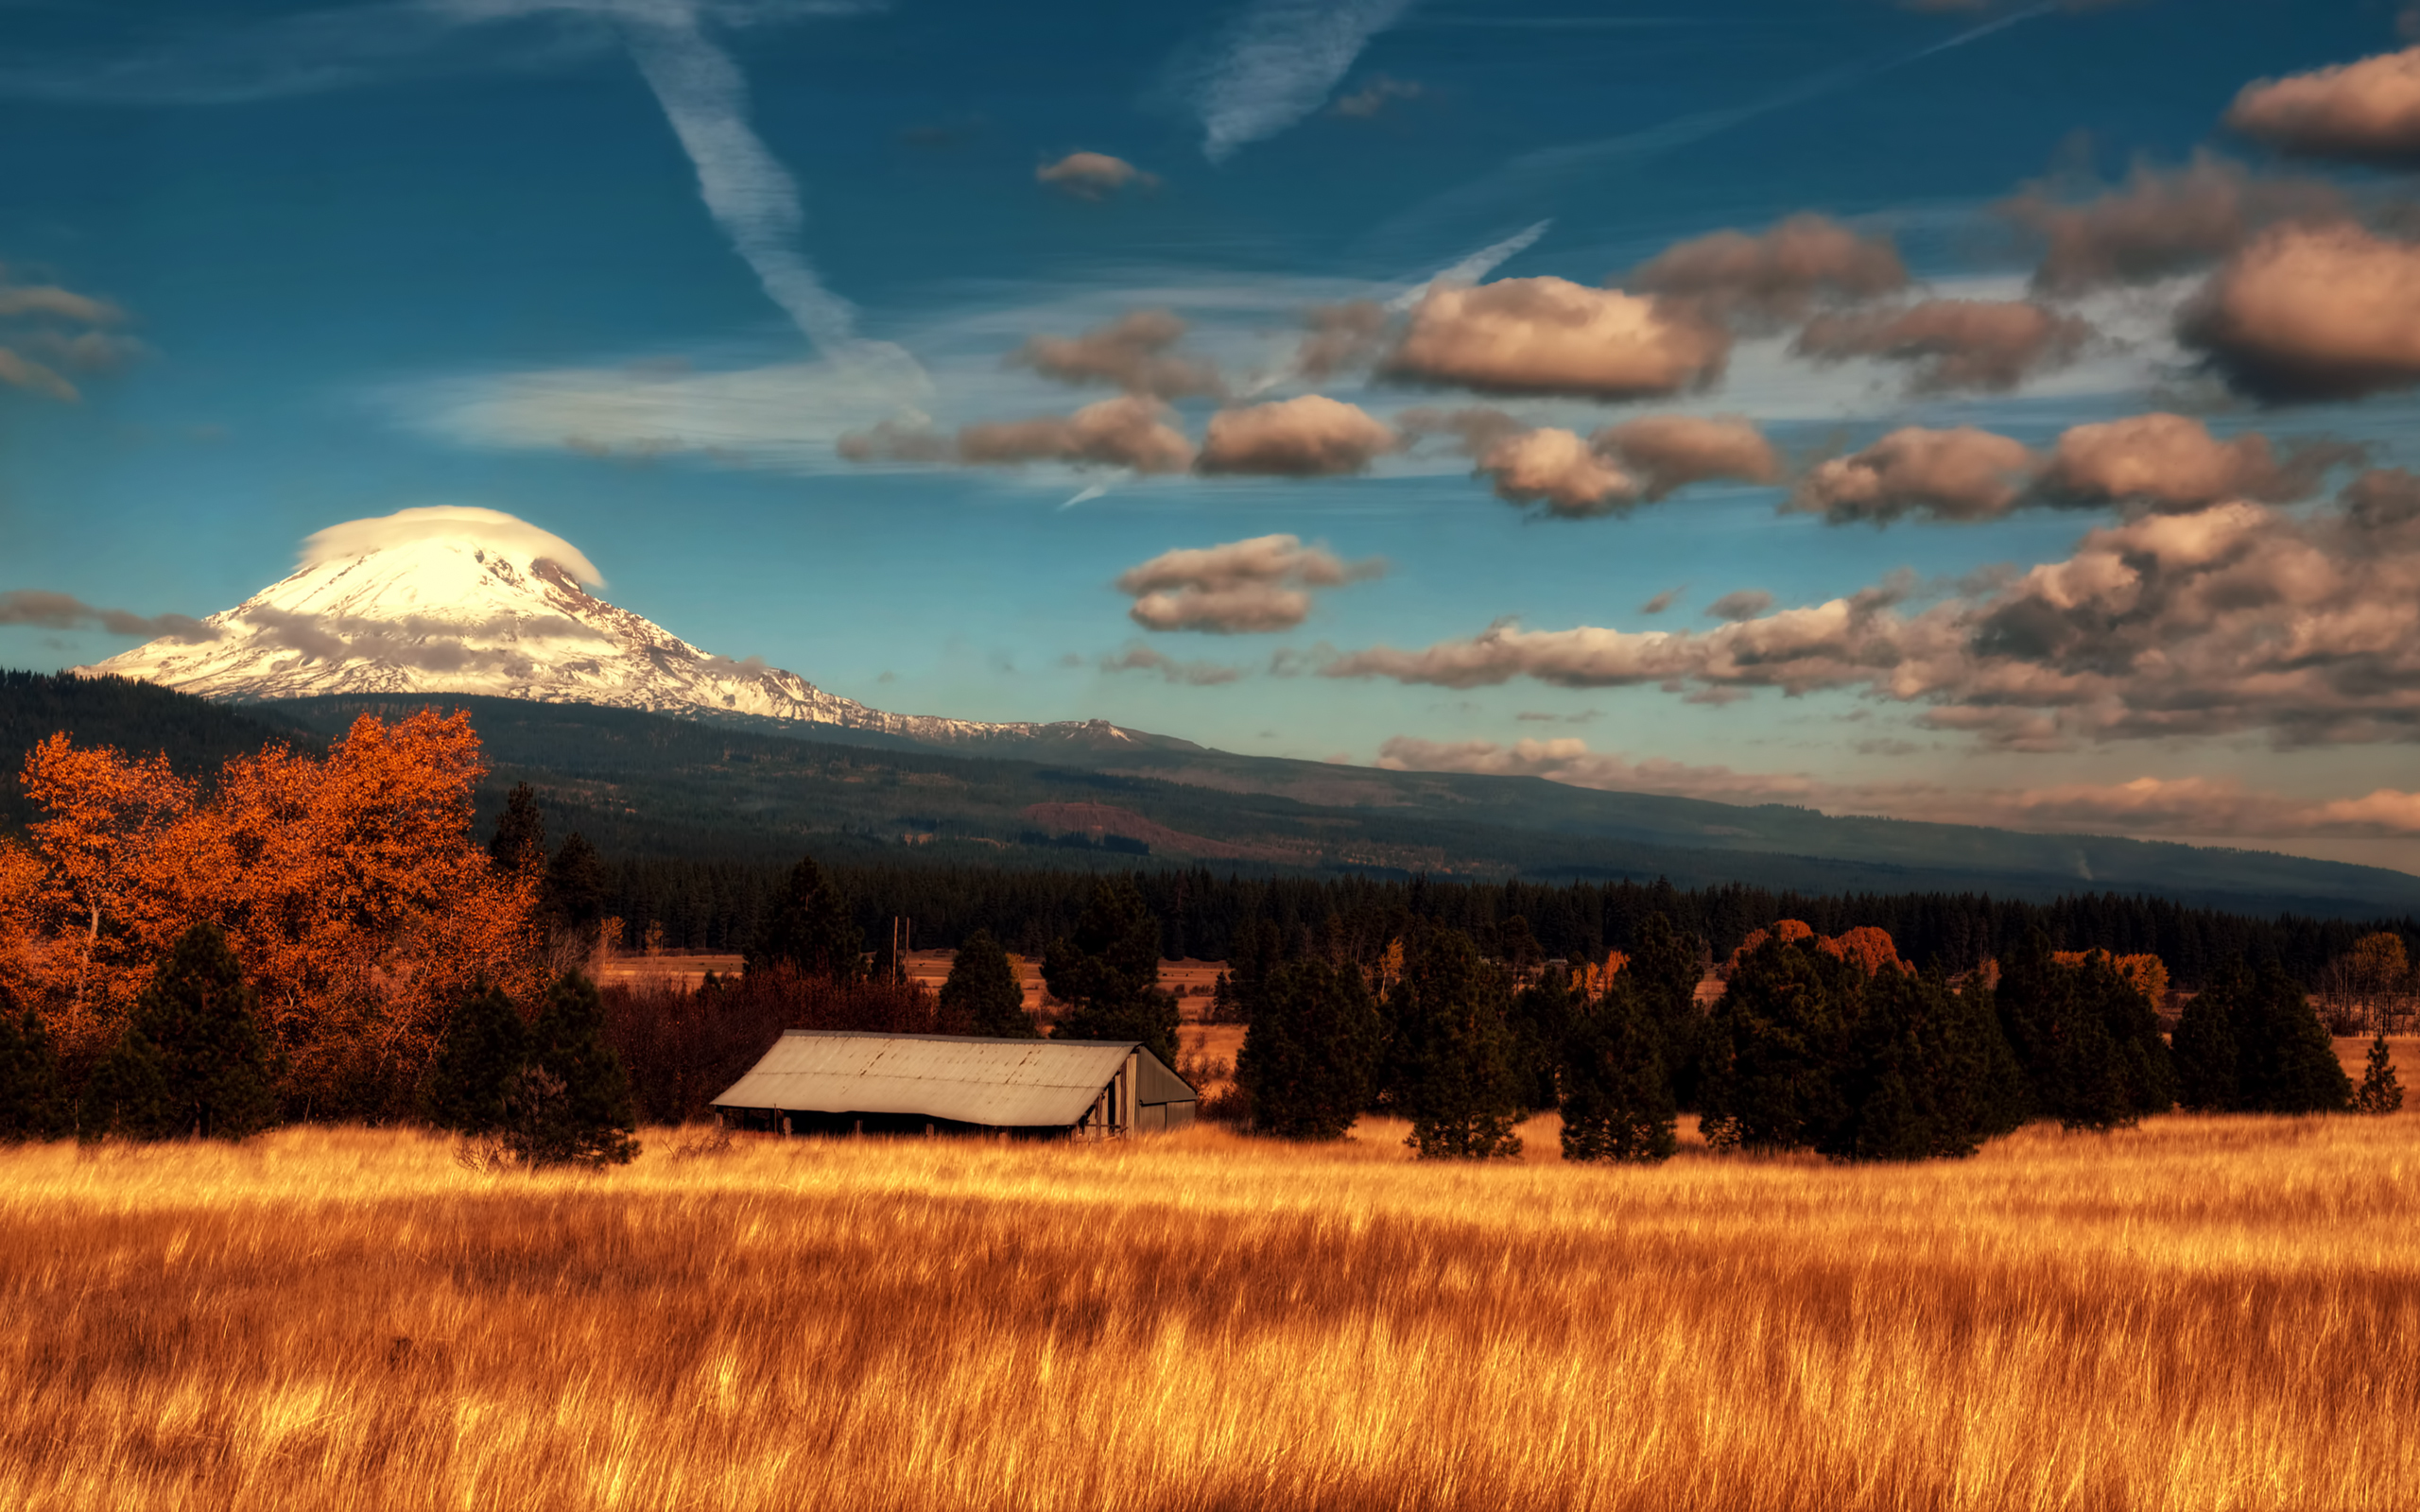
(140, 718)
(641, 784)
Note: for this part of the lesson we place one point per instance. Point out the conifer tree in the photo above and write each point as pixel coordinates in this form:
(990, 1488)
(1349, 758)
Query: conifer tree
(1909, 1087)
(1309, 1060)
(193, 1060)
(572, 897)
(1664, 970)
(2286, 1062)
(1616, 1095)
(128, 1094)
(1109, 971)
(2380, 1092)
(2205, 1045)
(1992, 1088)
(1452, 1061)
(1773, 1047)
(810, 929)
(2146, 1067)
(520, 839)
(982, 992)
(2085, 1038)
(478, 1066)
(572, 1105)
(1540, 1021)
(1222, 1001)
(32, 1103)
(1259, 950)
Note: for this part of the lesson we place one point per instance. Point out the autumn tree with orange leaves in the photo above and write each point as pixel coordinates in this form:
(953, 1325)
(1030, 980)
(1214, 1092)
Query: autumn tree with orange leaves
(350, 889)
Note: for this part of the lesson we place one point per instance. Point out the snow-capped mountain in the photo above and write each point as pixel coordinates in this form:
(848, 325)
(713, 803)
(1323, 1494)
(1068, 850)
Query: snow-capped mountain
(457, 600)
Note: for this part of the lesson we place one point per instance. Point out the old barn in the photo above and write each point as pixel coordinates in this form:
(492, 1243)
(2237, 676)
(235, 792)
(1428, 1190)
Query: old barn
(821, 1081)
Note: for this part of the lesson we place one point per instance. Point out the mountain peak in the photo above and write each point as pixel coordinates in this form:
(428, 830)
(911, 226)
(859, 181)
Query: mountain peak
(459, 600)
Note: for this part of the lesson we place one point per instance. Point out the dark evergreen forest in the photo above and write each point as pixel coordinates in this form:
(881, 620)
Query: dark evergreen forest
(718, 906)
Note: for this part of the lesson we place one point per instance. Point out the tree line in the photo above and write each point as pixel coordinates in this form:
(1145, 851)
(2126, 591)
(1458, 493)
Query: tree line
(1825, 1043)
(705, 906)
(315, 936)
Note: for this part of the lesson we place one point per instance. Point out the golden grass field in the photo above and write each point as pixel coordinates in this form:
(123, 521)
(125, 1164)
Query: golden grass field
(2201, 1312)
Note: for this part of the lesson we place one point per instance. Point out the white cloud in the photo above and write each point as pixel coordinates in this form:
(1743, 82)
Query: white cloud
(1237, 587)
(2182, 807)
(2233, 618)
(446, 522)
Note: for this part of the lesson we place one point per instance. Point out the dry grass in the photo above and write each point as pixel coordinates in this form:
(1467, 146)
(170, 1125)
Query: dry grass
(2205, 1313)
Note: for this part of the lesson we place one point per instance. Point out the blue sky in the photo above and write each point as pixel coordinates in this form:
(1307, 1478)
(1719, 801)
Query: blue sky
(361, 258)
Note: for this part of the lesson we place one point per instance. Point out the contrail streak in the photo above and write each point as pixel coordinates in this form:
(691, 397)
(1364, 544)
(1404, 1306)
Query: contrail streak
(1475, 266)
(1279, 62)
(750, 195)
(1533, 174)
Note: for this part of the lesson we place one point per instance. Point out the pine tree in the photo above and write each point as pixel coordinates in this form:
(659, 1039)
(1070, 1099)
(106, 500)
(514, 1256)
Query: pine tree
(2286, 1064)
(573, 899)
(1991, 1088)
(1774, 1048)
(1453, 1074)
(1665, 967)
(810, 930)
(1540, 1021)
(1222, 1001)
(520, 839)
(1911, 1079)
(572, 1105)
(1309, 1060)
(1259, 950)
(32, 1105)
(2085, 1038)
(128, 1094)
(193, 1060)
(982, 992)
(2145, 1065)
(1109, 971)
(2381, 1092)
(1616, 1095)
(478, 1066)
(2204, 1047)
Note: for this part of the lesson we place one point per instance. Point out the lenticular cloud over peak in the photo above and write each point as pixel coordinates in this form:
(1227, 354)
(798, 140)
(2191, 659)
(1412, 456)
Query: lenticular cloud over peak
(447, 522)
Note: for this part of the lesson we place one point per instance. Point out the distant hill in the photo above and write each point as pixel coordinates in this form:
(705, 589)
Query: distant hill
(139, 717)
(640, 784)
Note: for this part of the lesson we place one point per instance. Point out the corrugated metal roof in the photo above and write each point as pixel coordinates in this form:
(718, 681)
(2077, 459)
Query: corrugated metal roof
(1000, 1083)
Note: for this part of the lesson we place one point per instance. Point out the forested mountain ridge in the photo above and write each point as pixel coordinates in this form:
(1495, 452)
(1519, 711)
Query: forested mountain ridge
(136, 717)
(647, 786)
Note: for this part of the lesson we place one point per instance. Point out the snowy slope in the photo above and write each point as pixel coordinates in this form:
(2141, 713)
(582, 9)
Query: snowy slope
(481, 610)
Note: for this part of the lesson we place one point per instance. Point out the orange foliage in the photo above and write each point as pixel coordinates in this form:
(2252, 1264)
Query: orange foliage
(2146, 973)
(21, 953)
(1593, 980)
(1785, 930)
(1867, 947)
(350, 889)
